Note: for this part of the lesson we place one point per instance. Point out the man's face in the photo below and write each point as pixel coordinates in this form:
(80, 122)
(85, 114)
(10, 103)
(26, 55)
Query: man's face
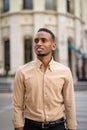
(44, 44)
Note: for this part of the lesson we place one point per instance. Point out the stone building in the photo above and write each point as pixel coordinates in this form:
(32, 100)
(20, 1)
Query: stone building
(20, 20)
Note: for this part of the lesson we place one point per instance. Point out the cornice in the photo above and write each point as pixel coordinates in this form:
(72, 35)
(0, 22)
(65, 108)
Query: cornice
(74, 17)
(32, 12)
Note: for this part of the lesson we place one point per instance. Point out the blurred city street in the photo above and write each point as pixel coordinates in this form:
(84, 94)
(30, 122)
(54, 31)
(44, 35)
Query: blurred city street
(6, 110)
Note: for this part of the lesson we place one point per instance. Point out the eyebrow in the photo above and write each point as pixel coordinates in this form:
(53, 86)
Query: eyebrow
(42, 39)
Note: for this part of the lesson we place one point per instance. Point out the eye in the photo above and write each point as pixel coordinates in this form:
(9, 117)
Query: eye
(36, 40)
(44, 40)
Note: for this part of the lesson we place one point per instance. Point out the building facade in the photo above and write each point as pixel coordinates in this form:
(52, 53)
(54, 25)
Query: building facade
(20, 20)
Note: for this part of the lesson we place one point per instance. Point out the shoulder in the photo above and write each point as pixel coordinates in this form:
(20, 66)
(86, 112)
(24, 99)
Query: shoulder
(26, 67)
(59, 66)
(63, 70)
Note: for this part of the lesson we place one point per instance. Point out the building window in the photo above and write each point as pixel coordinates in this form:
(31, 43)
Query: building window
(70, 6)
(50, 5)
(5, 5)
(7, 56)
(27, 4)
(27, 50)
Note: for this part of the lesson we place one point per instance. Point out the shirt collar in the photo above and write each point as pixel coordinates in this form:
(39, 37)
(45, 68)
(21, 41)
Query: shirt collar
(50, 65)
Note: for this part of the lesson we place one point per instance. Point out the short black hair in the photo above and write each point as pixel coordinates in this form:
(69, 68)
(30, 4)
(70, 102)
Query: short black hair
(48, 31)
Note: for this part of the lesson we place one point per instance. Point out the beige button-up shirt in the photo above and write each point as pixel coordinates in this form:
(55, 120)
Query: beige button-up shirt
(43, 96)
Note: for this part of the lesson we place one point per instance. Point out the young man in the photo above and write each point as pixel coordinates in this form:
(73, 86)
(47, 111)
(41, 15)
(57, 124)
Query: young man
(43, 90)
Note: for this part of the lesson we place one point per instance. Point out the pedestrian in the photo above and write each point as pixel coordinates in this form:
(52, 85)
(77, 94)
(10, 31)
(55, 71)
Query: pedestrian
(43, 90)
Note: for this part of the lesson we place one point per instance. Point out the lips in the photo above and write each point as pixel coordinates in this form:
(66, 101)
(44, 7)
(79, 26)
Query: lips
(39, 49)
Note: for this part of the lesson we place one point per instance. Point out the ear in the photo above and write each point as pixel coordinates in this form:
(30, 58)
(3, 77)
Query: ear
(53, 46)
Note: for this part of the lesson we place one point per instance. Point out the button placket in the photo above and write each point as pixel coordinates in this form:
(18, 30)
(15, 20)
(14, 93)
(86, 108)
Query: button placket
(45, 98)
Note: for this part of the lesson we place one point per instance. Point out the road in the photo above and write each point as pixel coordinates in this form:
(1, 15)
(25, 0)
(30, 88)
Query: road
(6, 110)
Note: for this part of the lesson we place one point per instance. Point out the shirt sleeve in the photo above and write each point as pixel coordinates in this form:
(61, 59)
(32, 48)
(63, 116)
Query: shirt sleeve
(18, 100)
(69, 102)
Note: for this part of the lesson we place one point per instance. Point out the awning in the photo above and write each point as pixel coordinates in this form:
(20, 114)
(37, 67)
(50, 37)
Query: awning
(71, 47)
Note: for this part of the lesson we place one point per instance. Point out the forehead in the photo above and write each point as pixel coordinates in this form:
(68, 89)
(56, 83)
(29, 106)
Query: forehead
(43, 34)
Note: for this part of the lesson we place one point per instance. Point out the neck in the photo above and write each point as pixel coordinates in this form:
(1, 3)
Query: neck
(45, 60)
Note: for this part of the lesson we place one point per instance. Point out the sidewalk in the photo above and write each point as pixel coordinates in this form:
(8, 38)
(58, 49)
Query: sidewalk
(81, 109)
(80, 85)
(6, 84)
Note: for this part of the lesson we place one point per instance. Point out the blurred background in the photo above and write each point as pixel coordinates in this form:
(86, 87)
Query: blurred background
(19, 22)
